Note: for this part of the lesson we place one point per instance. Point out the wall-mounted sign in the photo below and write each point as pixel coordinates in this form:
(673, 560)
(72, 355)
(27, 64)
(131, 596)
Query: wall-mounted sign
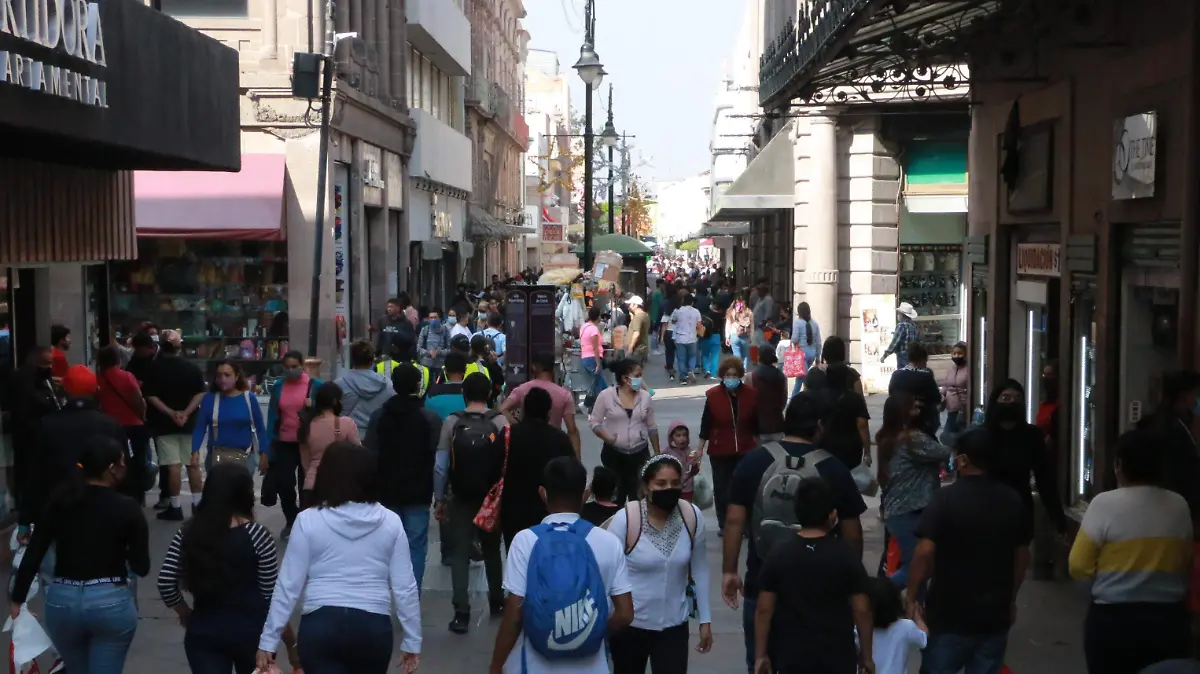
(1038, 259)
(552, 233)
(372, 175)
(71, 27)
(1134, 144)
(394, 177)
(439, 213)
(878, 314)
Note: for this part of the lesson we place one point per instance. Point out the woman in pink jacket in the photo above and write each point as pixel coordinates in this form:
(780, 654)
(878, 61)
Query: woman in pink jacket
(321, 427)
(956, 391)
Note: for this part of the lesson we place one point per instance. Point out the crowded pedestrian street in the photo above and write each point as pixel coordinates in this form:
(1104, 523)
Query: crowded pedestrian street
(1045, 638)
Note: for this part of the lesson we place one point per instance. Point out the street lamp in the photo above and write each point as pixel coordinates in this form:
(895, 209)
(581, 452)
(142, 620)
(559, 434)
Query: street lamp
(608, 139)
(591, 71)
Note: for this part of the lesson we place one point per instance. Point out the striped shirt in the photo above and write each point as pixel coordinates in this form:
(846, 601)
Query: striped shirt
(170, 576)
(1135, 545)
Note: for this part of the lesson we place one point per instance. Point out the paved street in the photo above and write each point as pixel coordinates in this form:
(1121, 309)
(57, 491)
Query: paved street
(1047, 636)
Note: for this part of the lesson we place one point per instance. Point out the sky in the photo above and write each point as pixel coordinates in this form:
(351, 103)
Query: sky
(664, 63)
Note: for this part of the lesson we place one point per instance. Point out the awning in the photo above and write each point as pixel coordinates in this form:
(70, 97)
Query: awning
(767, 184)
(485, 226)
(725, 229)
(246, 205)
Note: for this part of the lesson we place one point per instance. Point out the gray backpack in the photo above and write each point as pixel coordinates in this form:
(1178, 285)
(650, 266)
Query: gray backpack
(774, 518)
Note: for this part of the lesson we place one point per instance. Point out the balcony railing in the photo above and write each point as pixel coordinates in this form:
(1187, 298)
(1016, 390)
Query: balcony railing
(491, 100)
(479, 95)
(801, 44)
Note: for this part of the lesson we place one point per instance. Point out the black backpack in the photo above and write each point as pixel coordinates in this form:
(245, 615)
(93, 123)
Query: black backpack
(474, 459)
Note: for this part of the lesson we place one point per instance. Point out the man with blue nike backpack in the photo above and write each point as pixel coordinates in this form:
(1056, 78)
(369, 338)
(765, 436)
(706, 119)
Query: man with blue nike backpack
(560, 576)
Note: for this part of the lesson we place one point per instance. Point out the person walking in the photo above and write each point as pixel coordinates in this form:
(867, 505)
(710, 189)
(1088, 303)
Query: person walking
(173, 391)
(623, 419)
(686, 324)
(347, 534)
(910, 462)
(845, 420)
(806, 335)
(434, 341)
(771, 386)
(229, 423)
(320, 427)
(404, 435)
(99, 537)
(495, 332)
(591, 354)
(120, 397)
(562, 407)
(471, 459)
(291, 396)
(60, 344)
(739, 329)
(397, 329)
(728, 429)
(917, 380)
(657, 299)
(833, 352)
(665, 541)
(533, 442)
(766, 313)
(34, 395)
(904, 334)
(228, 563)
(640, 329)
(956, 392)
(364, 391)
(1133, 550)
(969, 628)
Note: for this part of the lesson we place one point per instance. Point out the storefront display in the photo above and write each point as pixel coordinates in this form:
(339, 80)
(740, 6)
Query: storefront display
(1084, 397)
(931, 281)
(227, 298)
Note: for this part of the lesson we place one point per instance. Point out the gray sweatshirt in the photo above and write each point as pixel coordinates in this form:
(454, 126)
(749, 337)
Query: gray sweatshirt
(363, 392)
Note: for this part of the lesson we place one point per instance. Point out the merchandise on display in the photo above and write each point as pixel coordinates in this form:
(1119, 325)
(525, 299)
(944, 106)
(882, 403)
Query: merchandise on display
(930, 280)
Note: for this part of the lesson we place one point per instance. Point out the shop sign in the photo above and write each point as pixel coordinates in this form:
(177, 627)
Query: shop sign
(1135, 140)
(71, 27)
(1038, 259)
(443, 222)
(371, 172)
(341, 266)
(394, 177)
(878, 315)
(553, 233)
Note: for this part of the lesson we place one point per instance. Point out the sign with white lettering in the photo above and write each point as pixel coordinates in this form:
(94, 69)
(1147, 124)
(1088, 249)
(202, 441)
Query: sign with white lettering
(1134, 144)
(1038, 259)
(70, 27)
(372, 175)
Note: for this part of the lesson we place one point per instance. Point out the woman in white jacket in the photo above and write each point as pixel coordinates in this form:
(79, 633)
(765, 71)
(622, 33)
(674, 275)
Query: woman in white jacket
(348, 556)
(665, 542)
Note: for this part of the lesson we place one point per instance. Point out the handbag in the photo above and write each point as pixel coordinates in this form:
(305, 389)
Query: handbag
(488, 517)
(794, 363)
(226, 454)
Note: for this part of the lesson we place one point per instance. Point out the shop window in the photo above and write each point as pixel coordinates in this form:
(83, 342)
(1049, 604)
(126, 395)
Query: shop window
(206, 8)
(227, 298)
(426, 85)
(1084, 394)
(931, 281)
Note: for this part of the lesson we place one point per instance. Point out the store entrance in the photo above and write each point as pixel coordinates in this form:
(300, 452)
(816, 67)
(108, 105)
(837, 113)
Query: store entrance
(1036, 330)
(1149, 338)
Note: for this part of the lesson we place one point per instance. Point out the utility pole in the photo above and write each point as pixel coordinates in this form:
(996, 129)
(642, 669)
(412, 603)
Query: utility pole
(625, 186)
(611, 201)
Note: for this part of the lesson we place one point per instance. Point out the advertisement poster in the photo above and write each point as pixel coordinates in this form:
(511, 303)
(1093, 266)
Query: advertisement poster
(542, 328)
(878, 315)
(516, 323)
(341, 266)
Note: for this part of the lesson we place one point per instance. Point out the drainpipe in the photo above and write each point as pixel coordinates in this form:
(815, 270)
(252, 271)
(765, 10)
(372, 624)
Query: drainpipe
(820, 274)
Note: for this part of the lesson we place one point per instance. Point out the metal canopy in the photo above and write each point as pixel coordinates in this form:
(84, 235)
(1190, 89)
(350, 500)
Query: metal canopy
(767, 184)
(872, 51)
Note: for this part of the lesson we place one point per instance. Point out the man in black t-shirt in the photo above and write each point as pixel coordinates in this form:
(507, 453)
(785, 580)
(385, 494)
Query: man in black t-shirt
(812, 595)
(974, 549)
(802, 427)
(173, 389)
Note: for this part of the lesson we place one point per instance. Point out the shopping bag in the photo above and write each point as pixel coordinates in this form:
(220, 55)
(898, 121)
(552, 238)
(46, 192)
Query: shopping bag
(794, 364)
(894, 559)
(702, 492)
(488, 517)
(864, 479)
(29, 640)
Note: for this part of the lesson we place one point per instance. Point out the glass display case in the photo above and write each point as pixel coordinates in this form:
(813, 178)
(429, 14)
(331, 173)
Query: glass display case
(227, 298)
(930, 279)
(1083, 435)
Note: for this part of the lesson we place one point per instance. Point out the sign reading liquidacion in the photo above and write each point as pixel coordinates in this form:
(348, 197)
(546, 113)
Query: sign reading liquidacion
(71, 27)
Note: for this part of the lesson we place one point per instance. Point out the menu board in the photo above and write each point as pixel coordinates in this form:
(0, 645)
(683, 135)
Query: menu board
(542, 328)
(516, 350)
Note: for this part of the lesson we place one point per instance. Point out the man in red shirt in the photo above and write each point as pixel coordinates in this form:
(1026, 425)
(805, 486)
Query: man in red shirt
(60, 343)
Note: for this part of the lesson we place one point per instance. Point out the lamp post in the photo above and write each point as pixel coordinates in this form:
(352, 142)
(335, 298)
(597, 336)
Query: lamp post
(609, 138)
(591, 71)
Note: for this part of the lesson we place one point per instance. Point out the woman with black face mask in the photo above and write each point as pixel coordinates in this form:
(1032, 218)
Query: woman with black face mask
(1022, 451)
(665, 553)
(956, 393)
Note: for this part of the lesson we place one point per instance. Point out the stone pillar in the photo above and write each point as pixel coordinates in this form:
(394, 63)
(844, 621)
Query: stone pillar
(383, 28)
(817, 209)
(398, 53)
(341, 16)
(356, 17)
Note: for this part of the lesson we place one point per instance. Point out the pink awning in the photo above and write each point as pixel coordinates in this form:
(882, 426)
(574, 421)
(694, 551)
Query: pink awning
(247, 205)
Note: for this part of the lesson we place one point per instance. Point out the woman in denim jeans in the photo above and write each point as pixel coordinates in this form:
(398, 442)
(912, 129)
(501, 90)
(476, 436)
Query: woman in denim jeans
(591, 351)
(100, 536)
(806, 334)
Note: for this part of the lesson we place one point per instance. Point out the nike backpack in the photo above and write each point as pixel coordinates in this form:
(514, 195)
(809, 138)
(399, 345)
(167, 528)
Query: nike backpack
(565, 612)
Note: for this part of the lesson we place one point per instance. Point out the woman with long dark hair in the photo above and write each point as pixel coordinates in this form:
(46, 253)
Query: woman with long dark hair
(320, 427)
(349, 557)
(229, 564)
(291, 397)
(845, 431)
(910, 463)
(806, 335)
(100, 536)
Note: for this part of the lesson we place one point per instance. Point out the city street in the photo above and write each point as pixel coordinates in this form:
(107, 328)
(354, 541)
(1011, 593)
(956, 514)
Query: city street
(1047, 636)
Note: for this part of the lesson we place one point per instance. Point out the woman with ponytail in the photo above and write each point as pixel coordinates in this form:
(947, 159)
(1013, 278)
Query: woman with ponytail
(229, 564)
(100, 536)
(806, 334)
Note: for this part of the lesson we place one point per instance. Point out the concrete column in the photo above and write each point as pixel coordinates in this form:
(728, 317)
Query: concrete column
(270, 31)
(369, 37)
(341, 16)
(820, 216)
(383, 28)
(356, 17)
(398, 53)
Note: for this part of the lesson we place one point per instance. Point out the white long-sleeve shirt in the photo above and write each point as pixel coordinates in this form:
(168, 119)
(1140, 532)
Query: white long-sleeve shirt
(660, 579)
(352, 556)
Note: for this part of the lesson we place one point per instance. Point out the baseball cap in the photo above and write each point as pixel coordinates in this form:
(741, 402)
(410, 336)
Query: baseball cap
(634, 301)
(80, 381)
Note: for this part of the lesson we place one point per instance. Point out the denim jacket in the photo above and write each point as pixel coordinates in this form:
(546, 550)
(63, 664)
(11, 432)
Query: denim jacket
(913, 475)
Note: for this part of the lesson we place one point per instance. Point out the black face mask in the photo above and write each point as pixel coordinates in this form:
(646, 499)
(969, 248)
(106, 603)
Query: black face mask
(1009, 412)
(961, 362)
(1050, 390)
(666, 499)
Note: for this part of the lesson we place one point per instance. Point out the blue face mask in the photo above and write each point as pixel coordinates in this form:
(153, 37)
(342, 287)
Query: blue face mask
(635, 383)
(732, 382)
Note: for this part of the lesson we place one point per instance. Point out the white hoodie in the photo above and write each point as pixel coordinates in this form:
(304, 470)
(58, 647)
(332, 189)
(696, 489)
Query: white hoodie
(350, 557)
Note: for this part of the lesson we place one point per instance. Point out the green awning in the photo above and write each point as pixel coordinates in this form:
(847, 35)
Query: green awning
(625, 246)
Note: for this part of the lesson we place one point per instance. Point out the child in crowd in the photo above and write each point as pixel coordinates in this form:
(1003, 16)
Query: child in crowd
(785, 342)
(679, 445)
(603, 489)
(894, 636)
